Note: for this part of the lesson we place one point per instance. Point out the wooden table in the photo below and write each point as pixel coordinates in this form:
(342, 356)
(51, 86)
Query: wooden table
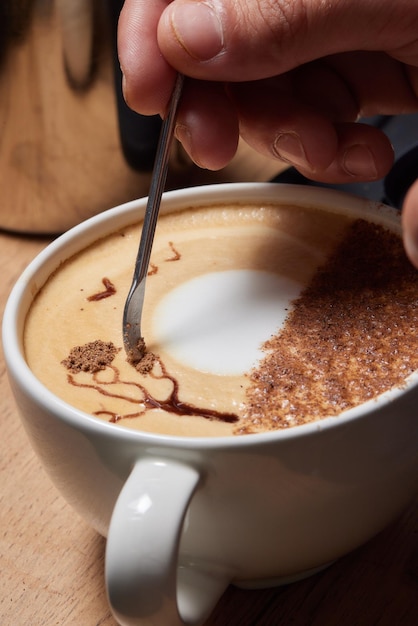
(51, 563)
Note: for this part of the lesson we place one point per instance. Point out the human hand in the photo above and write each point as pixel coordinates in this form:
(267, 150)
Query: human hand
(290, 77)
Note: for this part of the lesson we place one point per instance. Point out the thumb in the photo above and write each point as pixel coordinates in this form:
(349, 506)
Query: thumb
(243, 40)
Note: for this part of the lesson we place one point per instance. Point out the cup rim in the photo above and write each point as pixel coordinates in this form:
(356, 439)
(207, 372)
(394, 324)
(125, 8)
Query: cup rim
(74, 240)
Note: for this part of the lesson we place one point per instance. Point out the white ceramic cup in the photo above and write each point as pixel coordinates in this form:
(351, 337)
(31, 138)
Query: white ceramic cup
(185, 517)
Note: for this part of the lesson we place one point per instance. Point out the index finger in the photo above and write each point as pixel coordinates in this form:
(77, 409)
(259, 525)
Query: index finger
(148, 78)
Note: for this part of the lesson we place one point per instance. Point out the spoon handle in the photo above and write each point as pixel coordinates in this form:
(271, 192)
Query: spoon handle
(132, 336)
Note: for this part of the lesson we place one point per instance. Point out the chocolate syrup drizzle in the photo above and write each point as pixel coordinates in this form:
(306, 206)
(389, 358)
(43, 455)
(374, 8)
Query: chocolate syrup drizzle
(176, 254)
(172, 404)
(110, 290)
(153, 269)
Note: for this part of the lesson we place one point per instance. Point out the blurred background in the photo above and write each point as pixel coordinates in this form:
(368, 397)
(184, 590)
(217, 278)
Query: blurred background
(71, 148)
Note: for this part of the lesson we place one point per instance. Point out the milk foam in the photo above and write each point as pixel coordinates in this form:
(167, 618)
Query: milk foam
(221, 282)
(217, 322)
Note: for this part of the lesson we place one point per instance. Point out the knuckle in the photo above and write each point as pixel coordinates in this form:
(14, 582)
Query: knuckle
(282, 17)
(278, 23)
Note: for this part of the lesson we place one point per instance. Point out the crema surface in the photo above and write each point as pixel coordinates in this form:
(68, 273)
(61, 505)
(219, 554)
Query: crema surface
(222, 282)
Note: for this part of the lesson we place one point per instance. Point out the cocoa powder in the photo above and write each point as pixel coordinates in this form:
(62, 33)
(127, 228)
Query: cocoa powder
(90, 357)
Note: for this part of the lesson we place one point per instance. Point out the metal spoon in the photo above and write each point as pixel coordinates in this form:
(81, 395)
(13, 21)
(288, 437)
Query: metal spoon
(132, 336)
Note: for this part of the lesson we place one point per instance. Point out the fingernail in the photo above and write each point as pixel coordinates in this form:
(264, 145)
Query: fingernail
(289, 148)
(184, 136)
(123, 83)
(358, 160)
(198, 29)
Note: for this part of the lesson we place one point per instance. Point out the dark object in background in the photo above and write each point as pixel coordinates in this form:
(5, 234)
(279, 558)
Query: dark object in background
(402, 175)
(138, 133)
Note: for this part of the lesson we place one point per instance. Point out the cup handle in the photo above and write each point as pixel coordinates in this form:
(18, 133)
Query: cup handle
(145, 585)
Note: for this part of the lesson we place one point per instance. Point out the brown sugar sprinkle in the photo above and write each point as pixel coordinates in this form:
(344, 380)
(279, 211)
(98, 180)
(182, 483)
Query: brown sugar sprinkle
(90, 357)
(351, 335)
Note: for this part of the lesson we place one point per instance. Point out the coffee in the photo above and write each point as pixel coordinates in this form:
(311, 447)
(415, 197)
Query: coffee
(255, 318)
